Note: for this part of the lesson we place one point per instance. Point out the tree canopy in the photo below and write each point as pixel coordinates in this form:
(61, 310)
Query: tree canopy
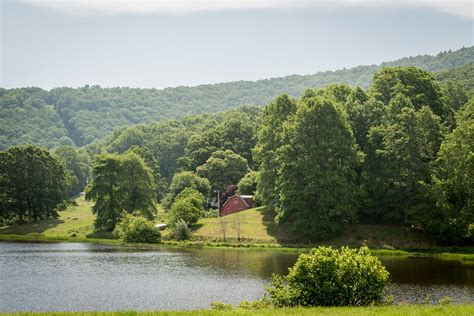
(120, 183)
(80, 116)
(32, 184)
(223, 168)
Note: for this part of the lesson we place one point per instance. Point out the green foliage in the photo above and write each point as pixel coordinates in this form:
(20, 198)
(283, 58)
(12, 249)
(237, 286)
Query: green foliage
(77, 165)
(416, 84)
(455, 94)
(135, 228)
(32, 184)
(362, 116)
(236, 133)
(181, 230)
(67, 116)
(462, 76)
(184, 144)
(445, 300)
(219, 306)
(223, 168)
(399, 155)
(184, 180)
(328, 277)
(188, 206)
(248, 184)
(453, 182)
(317, 188)
(120, 183)
(270, 140)
(27, 118)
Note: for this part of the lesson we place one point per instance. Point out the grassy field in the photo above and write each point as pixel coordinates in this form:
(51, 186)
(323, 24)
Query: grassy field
(257, 225)
(76, 220)
(460, 310)
(257, 230)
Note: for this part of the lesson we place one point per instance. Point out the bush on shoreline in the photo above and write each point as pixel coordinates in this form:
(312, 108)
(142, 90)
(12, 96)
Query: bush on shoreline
(330, 277)
(133, 228)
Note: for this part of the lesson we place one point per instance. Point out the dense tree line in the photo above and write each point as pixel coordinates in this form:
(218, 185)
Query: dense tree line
(394, 154)
(33, 184)
(399, 152)
(27, 118)
(66, 116)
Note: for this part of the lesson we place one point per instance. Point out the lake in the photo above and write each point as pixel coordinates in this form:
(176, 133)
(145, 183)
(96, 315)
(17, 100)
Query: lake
(80, 277)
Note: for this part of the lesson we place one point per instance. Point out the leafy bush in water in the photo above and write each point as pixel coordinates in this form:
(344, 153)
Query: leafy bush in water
(135, 228)
(181, 230)
(330, 277)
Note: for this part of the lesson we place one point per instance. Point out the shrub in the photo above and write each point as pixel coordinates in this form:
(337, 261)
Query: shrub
(219, 306)
(181, 230)
(189, 206)
(103, 234)
(248, 184)
(330, 277)
(135, 228)
(444, 300)
(211, 213)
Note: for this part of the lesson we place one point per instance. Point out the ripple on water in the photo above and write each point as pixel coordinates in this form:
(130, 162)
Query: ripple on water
(85, 277)
(423, 294)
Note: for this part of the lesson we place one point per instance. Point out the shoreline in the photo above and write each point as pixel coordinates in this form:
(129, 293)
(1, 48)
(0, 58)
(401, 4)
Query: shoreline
(455, 253)
(467, 309)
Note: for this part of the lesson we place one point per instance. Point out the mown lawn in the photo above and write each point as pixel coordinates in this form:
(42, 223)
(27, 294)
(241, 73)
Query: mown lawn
(257, 225)
(76, 220)
(460, 310)
(257, 229)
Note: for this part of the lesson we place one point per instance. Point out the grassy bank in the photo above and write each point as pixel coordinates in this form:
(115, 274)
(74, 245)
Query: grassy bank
(74, 221)
(257, 225)
(442, 253)
(327, 311)
(252, 228)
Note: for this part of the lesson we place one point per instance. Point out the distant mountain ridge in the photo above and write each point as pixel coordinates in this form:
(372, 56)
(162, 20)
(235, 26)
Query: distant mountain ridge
(78, 116)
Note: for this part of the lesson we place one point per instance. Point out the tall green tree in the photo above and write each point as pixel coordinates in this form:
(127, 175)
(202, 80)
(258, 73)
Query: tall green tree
(455, 94)
(120, 183)
(32, 183)
(399, 155)
(453, 183)
(188, 206)
(416, 84)
(236, 133)
(77, 165)
(317, 188)
(363, 114)
(248, 184)
(270, 141)
(184, 180)
(223, 168)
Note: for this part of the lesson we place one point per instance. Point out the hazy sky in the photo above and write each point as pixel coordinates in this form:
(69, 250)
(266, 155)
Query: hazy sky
(166, 43)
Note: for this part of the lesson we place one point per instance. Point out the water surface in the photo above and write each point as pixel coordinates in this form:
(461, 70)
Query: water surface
(77, 277)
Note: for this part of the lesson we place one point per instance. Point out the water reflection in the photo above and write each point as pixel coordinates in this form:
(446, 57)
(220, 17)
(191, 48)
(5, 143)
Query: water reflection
(75, 277)
(429, 271)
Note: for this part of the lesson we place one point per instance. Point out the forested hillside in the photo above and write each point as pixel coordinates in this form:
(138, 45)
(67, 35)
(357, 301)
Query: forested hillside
(396, 153)
(463, 75)
(26, 118)
(82, 115)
